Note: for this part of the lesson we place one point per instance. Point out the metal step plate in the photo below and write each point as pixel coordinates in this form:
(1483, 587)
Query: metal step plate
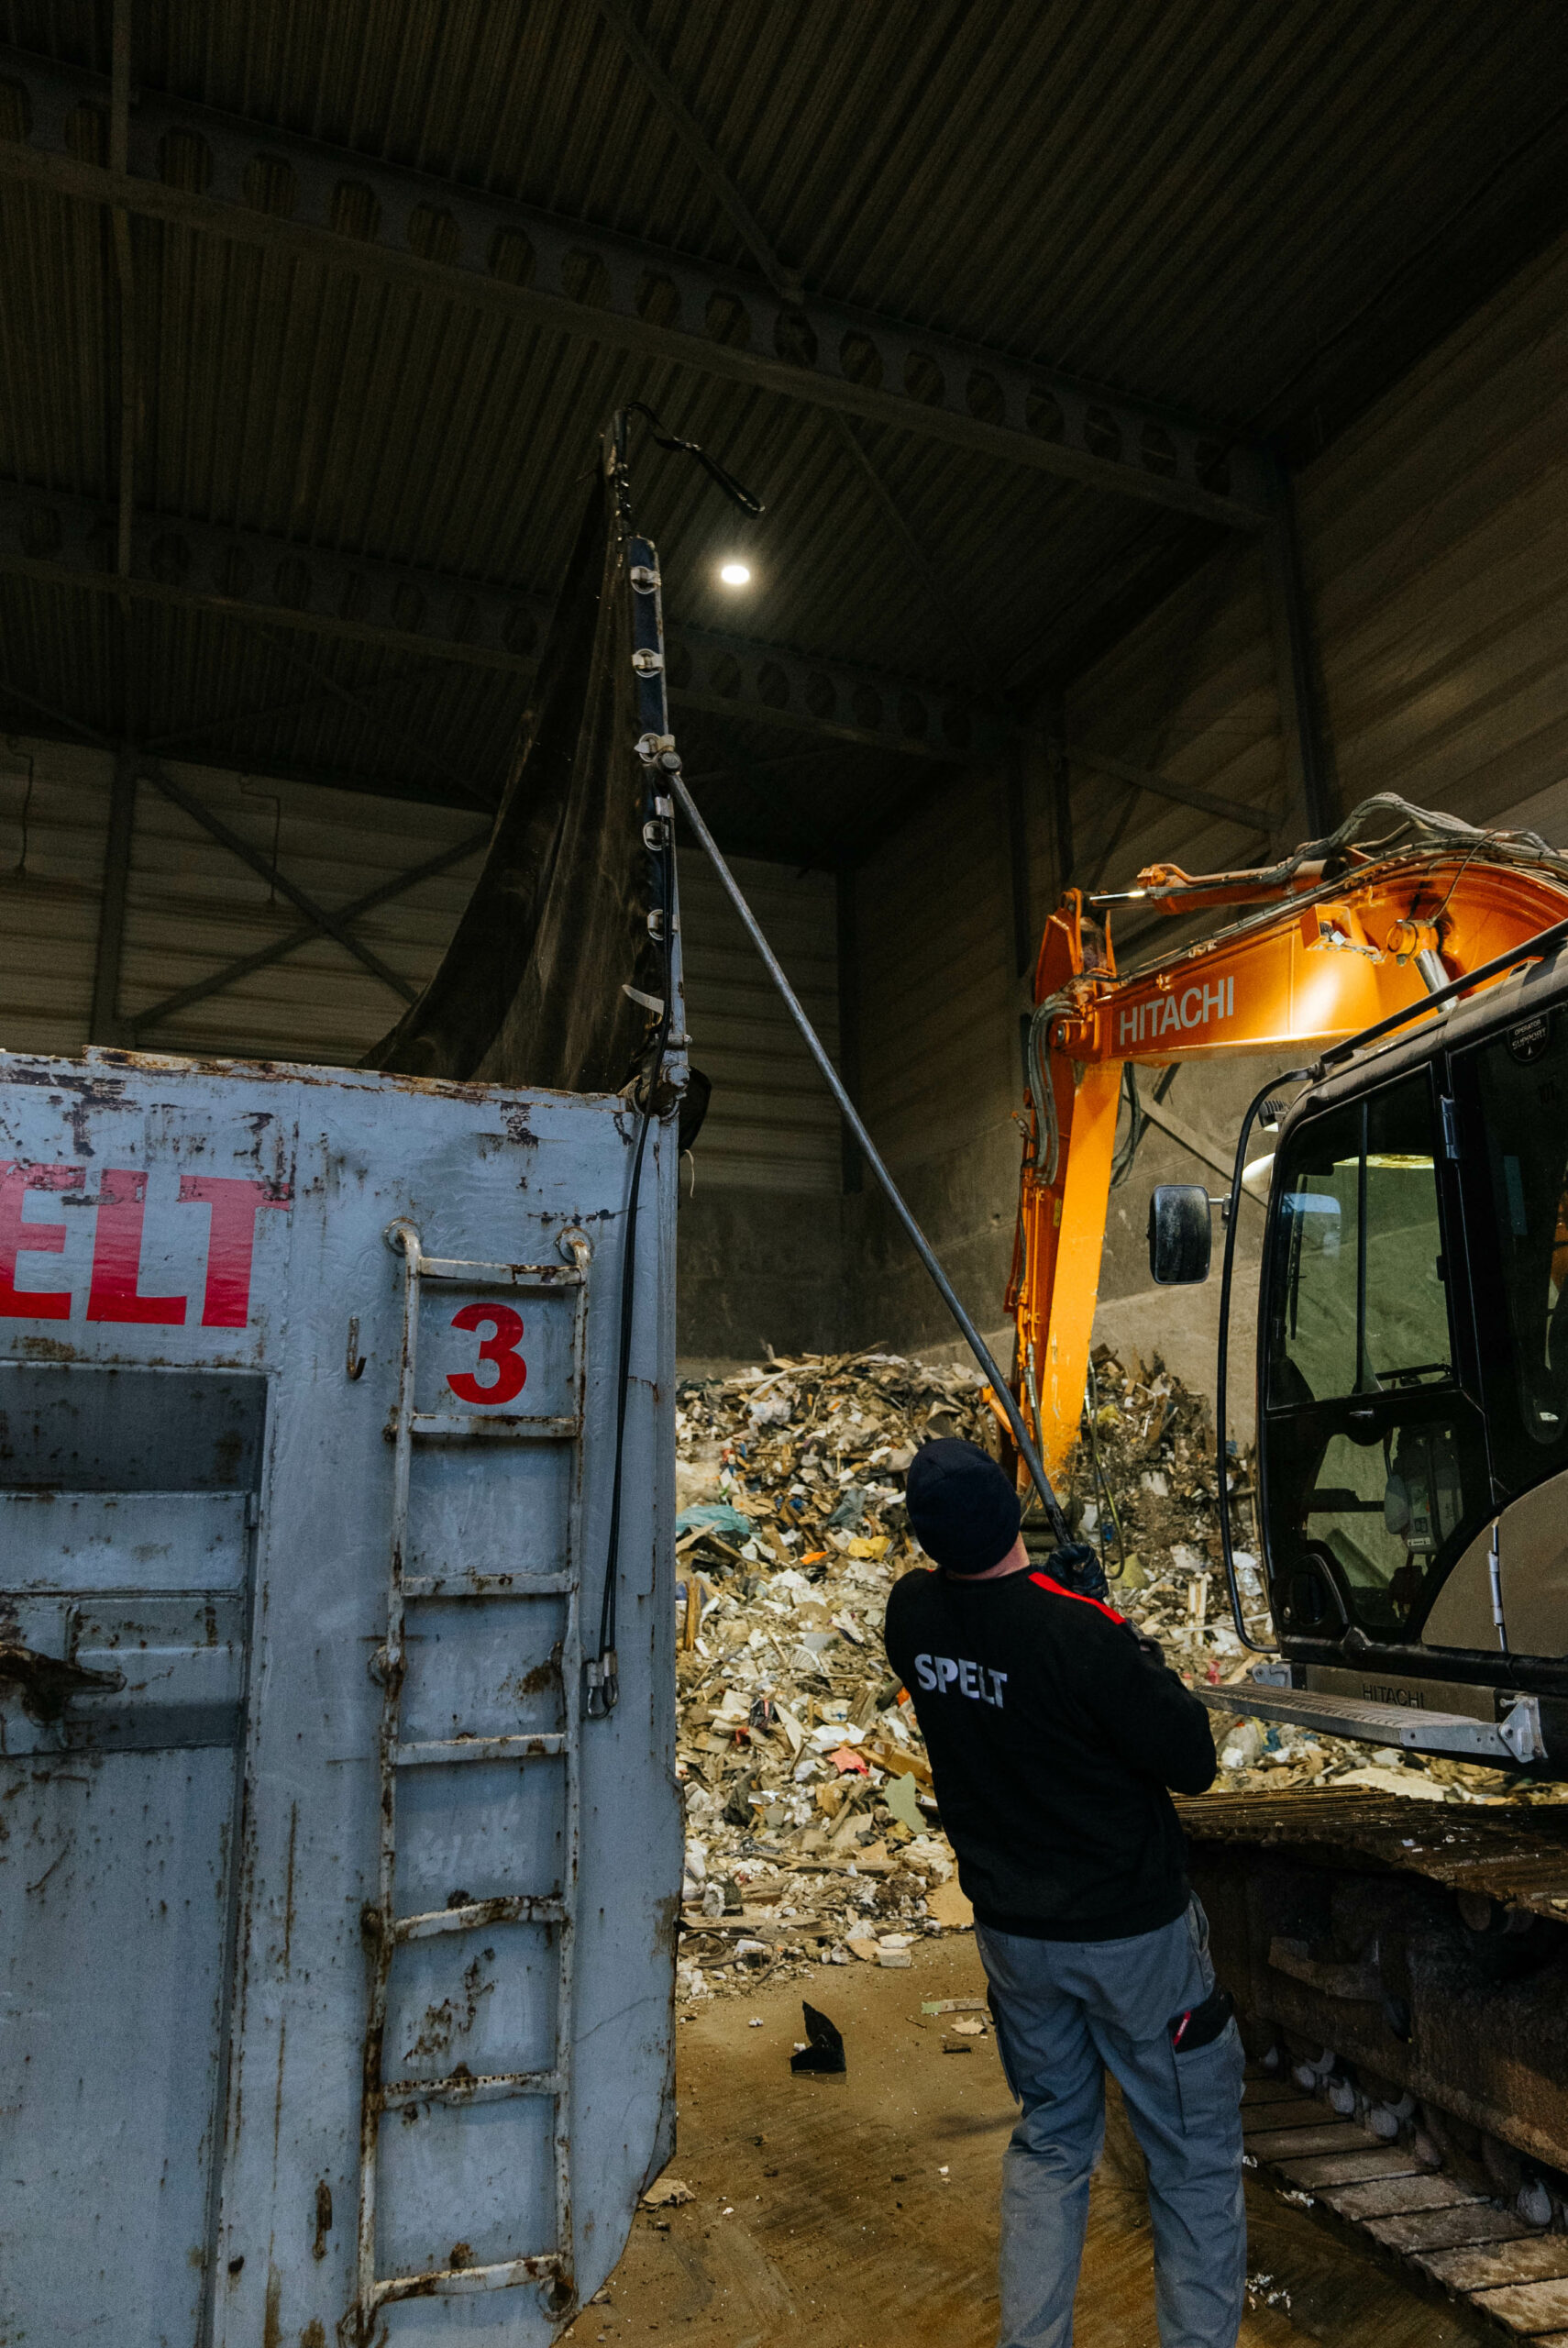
(1510, 1742)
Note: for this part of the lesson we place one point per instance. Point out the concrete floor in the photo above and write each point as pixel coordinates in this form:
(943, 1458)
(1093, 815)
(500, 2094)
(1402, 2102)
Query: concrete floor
(859, 2212)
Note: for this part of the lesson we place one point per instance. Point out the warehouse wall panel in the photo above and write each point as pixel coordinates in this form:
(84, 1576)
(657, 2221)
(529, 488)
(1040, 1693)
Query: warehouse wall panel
(1435, 544)
(54, 808)
(761, 1213)
(773, 1125)
(940, 1061)
(192, 907)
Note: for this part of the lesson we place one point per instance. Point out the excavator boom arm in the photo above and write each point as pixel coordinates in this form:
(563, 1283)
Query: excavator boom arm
(1336, 938)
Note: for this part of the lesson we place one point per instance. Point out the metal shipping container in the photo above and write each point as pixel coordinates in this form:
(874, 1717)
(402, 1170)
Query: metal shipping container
(335, 1944)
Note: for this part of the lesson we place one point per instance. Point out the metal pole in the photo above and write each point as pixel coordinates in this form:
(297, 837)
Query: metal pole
(1308, 763)
(671, 767)
(103, 1022)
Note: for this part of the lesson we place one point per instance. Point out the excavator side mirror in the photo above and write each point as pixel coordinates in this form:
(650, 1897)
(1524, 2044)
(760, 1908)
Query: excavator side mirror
(1180, 1233)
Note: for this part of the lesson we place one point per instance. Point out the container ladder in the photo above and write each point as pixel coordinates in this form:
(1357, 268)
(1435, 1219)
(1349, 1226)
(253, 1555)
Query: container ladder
(385, 1929)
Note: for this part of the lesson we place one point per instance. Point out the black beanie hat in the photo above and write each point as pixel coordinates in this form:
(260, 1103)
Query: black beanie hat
(963, 1511)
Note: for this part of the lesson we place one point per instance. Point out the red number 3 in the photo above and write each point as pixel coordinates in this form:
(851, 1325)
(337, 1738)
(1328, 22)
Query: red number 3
(500, 1347)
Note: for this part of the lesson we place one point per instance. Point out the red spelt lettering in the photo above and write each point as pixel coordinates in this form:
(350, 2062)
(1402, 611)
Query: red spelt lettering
(17, 1237)
(231, 1247)
(117, 1255)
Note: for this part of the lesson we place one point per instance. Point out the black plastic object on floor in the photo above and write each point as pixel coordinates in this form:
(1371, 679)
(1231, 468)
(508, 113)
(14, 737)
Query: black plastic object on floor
(825, 2050)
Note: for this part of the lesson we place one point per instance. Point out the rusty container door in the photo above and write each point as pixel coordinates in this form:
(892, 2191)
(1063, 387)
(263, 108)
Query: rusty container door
(335, 1943)
(123, 1606)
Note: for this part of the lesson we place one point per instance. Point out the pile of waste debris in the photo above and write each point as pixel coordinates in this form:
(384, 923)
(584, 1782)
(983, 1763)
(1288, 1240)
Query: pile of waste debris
(812, 1833)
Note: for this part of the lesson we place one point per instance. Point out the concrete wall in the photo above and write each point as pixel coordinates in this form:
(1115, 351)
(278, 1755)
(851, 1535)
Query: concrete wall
(756, 1269)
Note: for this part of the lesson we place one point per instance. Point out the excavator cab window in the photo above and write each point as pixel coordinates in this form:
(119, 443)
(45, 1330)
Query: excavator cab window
(1373, 1459)
(1522, 1081)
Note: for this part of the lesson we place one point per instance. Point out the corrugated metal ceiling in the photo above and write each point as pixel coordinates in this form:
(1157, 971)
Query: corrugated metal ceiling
(1187, 200)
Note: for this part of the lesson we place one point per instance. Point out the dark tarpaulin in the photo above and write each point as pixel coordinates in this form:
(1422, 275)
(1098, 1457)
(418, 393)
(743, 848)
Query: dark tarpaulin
(530, 989)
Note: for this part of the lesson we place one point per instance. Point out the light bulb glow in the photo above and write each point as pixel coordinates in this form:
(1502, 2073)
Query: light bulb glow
(735, 574)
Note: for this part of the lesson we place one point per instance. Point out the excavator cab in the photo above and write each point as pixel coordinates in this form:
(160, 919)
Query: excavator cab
(1413, 1382)
(1412, 1342)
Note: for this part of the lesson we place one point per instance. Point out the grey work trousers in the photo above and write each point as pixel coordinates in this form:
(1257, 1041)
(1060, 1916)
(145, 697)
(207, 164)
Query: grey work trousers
(1065, 2013)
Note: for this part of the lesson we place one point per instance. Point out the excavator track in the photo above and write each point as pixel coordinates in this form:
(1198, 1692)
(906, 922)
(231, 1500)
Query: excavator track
(1400, 1969)
(1511, 1853)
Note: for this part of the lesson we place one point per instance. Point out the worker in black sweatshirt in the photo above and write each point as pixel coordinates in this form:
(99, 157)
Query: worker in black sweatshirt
(1056, 1735)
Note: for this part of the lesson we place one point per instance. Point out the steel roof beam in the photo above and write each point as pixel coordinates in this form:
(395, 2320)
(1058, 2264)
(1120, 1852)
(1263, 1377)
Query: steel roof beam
(159, 1015)
(434, 235)
(250, 575)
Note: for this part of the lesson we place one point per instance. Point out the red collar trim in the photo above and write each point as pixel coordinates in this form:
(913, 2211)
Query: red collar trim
(1057, 1590)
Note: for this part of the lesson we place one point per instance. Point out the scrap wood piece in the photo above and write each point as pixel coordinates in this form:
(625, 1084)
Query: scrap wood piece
(667, 2193)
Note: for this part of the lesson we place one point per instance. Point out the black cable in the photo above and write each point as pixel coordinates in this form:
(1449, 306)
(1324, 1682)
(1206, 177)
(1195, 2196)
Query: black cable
(711, 465)
(1138, 1125)
(606, 1686)
(1091, 1412)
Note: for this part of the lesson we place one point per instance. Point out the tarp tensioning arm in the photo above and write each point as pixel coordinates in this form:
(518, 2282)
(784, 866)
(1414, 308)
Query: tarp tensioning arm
(669, 761)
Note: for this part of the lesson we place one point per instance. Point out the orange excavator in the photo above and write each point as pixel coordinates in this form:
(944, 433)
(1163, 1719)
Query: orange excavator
(1412, 1342)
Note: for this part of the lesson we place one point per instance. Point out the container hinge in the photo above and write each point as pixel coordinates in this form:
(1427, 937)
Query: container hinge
(1272, 1674)
(1519, 1729)
(1450, 1124)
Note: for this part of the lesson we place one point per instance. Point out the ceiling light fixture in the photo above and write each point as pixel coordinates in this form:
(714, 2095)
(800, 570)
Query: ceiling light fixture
(735, 574)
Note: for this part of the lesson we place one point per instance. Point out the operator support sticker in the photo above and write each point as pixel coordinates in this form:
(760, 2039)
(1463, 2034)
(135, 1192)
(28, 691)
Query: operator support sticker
(1179, 1009)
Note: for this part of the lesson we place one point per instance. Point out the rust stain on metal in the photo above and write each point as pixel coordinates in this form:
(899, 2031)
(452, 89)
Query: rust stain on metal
(45, 1348)
(273, 2315)
(453, 2018)
(289, 1901)
(323, 2219)
(278, 2090)
(45, 1683)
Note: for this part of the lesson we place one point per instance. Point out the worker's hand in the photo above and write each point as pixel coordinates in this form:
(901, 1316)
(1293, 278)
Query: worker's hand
(1079, 1567)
